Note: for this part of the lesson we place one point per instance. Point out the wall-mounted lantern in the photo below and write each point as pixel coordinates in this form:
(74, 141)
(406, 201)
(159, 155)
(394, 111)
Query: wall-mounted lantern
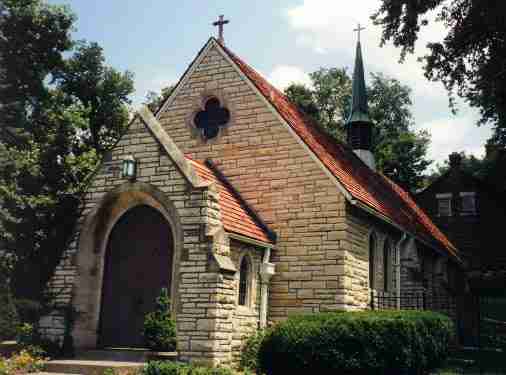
(129, 167)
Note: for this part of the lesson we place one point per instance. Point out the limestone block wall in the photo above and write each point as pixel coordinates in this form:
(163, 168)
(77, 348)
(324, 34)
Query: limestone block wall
(246, 318)
(203, 298)
(359, 228)
(277, 177)
(412, 273)
(60, 286)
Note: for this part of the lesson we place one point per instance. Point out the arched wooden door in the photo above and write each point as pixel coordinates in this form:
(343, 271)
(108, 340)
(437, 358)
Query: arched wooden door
(138, 265)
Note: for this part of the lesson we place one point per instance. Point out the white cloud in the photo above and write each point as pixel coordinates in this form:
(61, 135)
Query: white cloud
(456, 133)
(326, 27)
(284, 75)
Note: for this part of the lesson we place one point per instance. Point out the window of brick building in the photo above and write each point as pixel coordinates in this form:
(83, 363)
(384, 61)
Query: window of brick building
(444, 204)
(468, 206)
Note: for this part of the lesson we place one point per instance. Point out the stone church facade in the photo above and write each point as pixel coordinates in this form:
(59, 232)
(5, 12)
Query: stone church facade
(246, 212)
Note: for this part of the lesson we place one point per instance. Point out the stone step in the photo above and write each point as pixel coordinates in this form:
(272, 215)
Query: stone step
(8, 347)
(125, 355)
(91, 367)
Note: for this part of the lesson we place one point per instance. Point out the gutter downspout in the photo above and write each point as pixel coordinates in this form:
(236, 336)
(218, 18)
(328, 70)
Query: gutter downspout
(397, 267)
(267, 270)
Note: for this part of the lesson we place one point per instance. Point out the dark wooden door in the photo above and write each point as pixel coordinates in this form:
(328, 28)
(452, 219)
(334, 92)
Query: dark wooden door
(138, 264)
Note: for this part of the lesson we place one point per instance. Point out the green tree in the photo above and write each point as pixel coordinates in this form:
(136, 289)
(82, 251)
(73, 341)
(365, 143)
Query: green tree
(155, 100)
(400, 152)
(102, 90)
(489, 169)
(61, 108)
(471, 58)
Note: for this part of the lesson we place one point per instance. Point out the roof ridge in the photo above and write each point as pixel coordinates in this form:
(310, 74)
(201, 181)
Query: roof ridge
(356, 178)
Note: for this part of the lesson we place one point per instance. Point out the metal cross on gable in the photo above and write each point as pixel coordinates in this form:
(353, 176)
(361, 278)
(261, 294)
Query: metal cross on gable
(358, 30)
(220, 24)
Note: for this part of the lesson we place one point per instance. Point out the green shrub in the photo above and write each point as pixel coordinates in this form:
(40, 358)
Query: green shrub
(9, 319)
(249, 352)
(178, 368)
(159, 329)
(29, 311)
(8, 316)
(367, 342)
(31, 341)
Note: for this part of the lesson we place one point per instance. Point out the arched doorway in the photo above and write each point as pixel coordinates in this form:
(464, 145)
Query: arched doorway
(138, 264)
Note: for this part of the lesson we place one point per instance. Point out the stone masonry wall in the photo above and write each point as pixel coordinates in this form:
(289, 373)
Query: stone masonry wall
(204, 297)
(246, 318)
(278, 178)
(359, 228)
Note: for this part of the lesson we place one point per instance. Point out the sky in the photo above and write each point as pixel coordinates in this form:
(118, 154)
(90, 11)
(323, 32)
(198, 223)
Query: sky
(283, 39)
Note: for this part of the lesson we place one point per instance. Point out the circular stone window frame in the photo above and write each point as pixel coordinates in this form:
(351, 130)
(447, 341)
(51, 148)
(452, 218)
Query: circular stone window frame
(200, 104)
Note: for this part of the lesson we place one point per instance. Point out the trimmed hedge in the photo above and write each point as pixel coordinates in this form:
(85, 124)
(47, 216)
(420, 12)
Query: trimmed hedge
(365, 342)
(178, 368)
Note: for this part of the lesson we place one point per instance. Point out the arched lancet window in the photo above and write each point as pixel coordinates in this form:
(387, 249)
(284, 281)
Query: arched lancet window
(244, 276)
(372, 250)
(387, 266)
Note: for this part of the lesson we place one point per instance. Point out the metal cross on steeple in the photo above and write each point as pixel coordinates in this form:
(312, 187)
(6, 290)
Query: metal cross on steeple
(220, 24)
(358, 30)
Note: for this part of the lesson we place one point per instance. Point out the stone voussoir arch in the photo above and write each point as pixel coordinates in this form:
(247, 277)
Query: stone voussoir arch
(93, 239)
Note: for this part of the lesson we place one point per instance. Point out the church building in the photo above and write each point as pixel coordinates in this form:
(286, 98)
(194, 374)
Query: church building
(247, 212)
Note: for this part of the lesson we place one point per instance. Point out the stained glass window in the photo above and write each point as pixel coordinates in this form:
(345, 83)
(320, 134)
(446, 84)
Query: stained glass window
(387, 266)
(243, 281)
(372, 249)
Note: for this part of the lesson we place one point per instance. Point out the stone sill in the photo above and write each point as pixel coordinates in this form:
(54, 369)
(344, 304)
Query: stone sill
(162, 356)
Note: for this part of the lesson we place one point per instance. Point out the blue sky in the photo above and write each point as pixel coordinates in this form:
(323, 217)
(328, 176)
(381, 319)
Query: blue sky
(282, 39)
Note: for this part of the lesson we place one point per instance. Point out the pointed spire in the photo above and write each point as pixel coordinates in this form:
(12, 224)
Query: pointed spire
(359, 107)
(359, 124)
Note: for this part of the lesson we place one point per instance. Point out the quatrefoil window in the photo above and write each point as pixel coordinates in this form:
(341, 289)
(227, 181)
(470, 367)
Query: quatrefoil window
(212, 118)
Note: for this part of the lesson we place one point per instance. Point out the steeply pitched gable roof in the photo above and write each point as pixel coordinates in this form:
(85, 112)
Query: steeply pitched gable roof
(364, 185)
(236, 216)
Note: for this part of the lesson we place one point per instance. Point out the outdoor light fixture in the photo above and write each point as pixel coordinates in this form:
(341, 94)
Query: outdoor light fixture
(129, 167)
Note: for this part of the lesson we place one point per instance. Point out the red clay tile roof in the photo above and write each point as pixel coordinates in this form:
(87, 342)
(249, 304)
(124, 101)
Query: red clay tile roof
(363, 184)
(234, 215)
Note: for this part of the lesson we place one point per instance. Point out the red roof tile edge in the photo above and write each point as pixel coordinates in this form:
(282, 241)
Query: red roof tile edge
(371, 188)
(234, 215)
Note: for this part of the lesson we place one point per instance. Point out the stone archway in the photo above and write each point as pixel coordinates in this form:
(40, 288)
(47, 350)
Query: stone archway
(138, 264)
(94, 236)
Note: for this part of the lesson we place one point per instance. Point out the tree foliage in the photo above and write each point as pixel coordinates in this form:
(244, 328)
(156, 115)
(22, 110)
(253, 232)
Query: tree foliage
(155, 100)
(61, 108)
(400, 152)
(471, 59)
(489, 169)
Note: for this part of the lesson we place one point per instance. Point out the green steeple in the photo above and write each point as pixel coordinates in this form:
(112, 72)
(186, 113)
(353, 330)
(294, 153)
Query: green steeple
(359, 124)
(359, 109)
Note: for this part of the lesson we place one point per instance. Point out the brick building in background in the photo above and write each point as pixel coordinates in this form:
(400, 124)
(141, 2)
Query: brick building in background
(472, 214)
(247, 212)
